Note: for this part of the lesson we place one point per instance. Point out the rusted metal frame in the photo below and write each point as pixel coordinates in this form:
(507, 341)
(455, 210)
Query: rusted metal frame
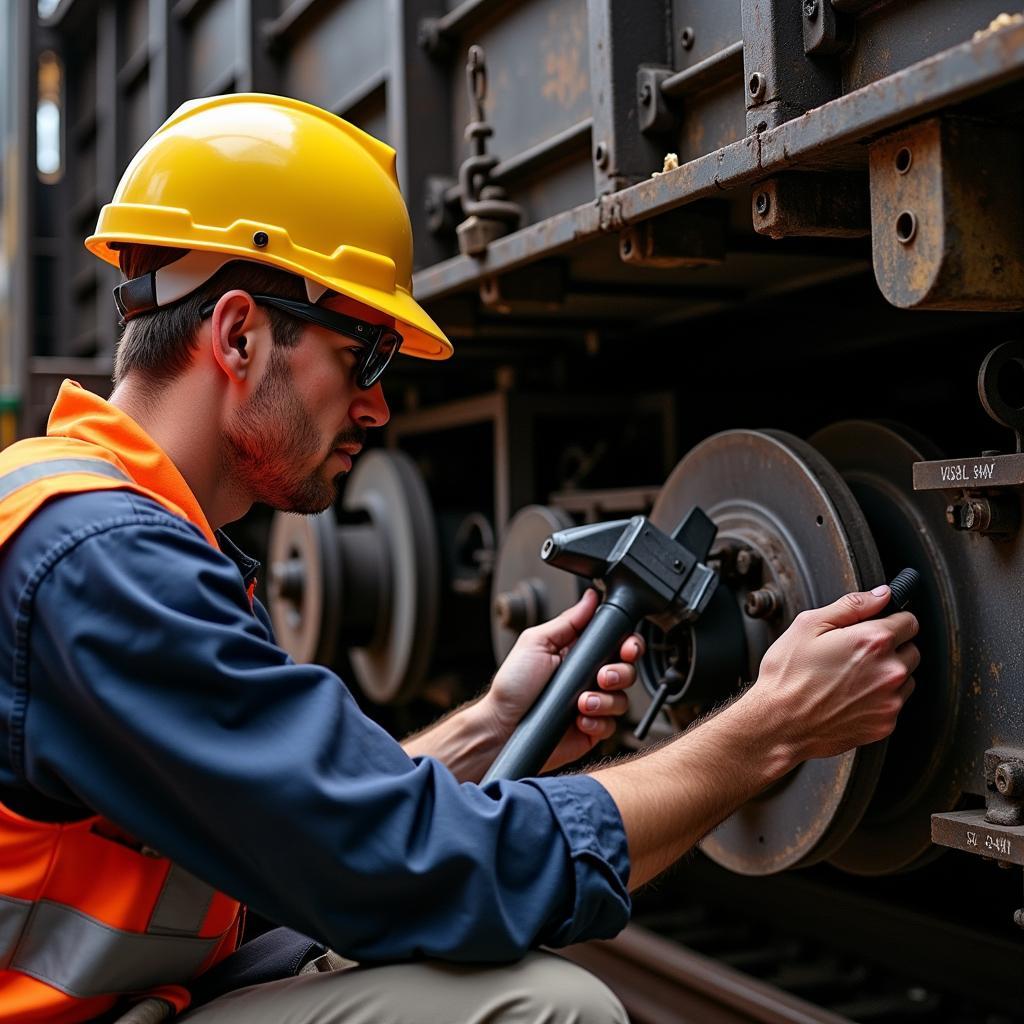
(257, 71)
(166, 70)
(623, 34)
(109, 109)
(361, 92)
(185, 10)
(710, 71)
(133, 68)
(549, 150)
(492, 408)
(417, 89)
(22, 231)
(780, 82)
(727, 994)
(544, 153)
(947, 78)
(438, 34)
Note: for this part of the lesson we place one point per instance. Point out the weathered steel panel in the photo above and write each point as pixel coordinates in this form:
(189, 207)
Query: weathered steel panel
(893, 36)
(538, 71)
(212, 48)
(340, 53)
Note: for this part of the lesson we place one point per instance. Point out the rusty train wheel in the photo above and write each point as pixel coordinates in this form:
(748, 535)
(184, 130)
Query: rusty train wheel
(876, 461)
(525, 590)
(303, 595)
(791, 536)
(367, 584)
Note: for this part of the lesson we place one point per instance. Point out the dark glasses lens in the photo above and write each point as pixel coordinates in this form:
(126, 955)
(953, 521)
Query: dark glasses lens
(377, 357)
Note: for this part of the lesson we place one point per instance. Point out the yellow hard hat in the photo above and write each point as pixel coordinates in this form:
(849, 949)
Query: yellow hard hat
(278, 181)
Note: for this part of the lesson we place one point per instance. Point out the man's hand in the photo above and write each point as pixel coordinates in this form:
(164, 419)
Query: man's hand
(838, 680)
(832, 681)
(532, 662)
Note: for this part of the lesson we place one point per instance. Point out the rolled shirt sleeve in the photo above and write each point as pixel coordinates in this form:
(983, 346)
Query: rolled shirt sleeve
(154, 696)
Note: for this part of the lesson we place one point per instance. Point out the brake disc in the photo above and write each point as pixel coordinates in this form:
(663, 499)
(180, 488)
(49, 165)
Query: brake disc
(526, 590)
(876, 461)
(366, 584)
(791, 537)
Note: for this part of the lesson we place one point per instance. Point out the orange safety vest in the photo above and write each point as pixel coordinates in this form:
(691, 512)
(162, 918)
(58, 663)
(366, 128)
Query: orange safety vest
(87, 915)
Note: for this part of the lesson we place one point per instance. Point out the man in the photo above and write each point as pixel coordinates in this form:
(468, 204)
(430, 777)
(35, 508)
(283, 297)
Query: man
(164, 760)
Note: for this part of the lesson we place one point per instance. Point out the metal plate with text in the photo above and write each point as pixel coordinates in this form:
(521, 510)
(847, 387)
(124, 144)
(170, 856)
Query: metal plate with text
(970, 832)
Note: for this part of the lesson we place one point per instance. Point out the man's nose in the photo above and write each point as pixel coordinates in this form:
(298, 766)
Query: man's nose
(369, 409)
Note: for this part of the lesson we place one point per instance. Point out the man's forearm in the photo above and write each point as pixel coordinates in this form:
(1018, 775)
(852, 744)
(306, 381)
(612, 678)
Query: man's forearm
(464, 741)
(673, 796)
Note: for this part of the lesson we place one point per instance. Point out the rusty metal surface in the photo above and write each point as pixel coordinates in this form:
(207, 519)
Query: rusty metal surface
(810, 205)
(947, 229)
(947, 78)
(918, 774)
(661, 982)
(773, 495)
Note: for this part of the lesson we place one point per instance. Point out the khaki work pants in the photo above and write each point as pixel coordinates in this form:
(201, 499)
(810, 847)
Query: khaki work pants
(540, 989)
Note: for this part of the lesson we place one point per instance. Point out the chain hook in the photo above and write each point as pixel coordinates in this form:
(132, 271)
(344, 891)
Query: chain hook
(476, 79)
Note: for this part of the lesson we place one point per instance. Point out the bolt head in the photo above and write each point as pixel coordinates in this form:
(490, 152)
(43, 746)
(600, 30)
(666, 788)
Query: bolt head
(1009, 779)
(756, 85)
(1018, 918)
(260, 239)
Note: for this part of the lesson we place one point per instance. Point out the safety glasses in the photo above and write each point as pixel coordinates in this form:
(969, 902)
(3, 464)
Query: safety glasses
(380, 343)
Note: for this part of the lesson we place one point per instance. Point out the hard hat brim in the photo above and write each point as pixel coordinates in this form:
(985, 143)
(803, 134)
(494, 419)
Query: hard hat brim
(421, 337)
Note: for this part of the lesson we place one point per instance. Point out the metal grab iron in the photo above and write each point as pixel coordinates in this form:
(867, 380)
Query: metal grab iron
(647, 574)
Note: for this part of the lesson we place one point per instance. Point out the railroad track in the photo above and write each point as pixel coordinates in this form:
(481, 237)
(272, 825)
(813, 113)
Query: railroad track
(662, 982)
(799, 953)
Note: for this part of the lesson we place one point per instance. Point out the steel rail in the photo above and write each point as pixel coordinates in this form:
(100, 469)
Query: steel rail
(661, 982)
(957, 74)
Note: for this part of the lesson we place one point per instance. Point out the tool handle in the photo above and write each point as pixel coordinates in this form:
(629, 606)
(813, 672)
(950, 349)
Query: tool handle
(902, 587)
(544, 724)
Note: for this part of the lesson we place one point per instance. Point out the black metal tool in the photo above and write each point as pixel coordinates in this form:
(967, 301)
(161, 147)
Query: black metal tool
(647, 574)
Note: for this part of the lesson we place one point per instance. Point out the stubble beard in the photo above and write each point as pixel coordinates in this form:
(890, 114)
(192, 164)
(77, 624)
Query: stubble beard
(272, 437)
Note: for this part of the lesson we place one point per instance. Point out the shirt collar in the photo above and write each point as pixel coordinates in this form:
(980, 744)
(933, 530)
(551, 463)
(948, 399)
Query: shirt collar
(85, 416)
(248, 566)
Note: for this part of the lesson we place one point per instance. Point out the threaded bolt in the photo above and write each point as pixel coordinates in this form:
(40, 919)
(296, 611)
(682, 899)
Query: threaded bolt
(747, 561)
(762, 604)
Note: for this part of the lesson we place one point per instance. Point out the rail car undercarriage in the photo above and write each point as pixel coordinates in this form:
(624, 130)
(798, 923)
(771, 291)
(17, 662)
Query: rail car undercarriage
(760, 257)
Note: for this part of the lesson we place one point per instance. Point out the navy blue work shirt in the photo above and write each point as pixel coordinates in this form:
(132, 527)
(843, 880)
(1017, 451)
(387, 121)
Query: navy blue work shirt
(139, 685)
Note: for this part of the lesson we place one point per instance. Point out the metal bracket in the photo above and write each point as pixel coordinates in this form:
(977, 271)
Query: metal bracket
(810, 205)
(654, 114)
(689, 236)
(826, 32)
(947, 222)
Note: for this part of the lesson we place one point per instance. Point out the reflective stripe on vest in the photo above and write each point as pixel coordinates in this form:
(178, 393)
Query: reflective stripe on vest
(35, 471)
(84, 957)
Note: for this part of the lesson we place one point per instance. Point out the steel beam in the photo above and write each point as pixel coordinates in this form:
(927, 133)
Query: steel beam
(960, 73)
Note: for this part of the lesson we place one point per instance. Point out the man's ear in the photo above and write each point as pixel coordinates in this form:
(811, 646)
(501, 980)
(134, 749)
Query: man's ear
(233, 320)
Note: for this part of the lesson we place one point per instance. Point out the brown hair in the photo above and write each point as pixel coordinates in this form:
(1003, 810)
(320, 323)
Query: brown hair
(159, 345)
